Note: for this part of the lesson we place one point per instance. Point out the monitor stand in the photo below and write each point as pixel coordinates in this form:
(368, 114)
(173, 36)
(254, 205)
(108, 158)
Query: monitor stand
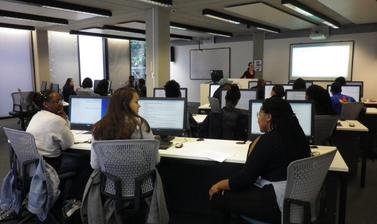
(165, 141)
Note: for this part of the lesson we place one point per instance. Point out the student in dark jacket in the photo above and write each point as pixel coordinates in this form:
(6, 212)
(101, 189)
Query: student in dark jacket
(260, 89)
(257, 190)
(321, 99)
(299, 84)
(231, 123)
(68, 89)
(278, 91)
(102, 88)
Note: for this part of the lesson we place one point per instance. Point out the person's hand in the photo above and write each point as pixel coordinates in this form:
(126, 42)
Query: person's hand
(215, 189)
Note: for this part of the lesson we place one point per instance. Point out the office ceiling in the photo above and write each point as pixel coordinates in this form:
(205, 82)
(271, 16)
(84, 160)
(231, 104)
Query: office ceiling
(267, 12)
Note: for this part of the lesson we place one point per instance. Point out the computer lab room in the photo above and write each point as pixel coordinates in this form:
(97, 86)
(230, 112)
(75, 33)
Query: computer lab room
(188, 111)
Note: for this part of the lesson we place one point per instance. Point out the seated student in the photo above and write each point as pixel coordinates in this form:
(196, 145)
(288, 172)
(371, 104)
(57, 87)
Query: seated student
(260, 89)
(257, 190)
(341, 80)
(102, 88)
(141, 88)
(51, 130)
(121, 121)
(321, 99)
(231, 123)
(278, 91)
(68, 89)
(86, 88)
(299, 84)
(130, 82)
(172, 89)
(338, 99)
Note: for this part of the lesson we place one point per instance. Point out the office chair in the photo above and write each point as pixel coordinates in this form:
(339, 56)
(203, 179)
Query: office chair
(230, 125)
(304, 181)
(23, 107)
(25, 158)
(324, 127)
(351, 111)
(127, 174)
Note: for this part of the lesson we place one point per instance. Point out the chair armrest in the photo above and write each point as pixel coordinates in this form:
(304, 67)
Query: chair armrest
(287, 210)
(138, 182)
(118, 188)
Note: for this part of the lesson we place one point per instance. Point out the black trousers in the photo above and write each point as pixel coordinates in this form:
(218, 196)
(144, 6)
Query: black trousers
(69, 163)
(256, 203)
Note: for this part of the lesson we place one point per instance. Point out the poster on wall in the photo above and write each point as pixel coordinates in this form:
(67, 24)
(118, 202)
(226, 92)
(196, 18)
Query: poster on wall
(258, 65)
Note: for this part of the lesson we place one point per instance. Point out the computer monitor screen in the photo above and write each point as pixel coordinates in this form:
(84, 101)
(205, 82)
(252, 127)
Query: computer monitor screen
(55, 87)
(246, 96)
(166, 116)
(305, 115)
(353, 91)
(95, 84)
(85, 111)
(358, 83)
(160, 92)
(268, 88)
(212, 89)
(295, 94)
(254, 108)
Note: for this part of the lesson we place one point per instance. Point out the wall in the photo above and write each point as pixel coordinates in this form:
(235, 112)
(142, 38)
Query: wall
(276, 61)
(241, 54)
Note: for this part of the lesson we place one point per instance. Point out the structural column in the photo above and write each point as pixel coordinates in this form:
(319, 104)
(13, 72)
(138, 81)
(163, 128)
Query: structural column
(41, 57)
(157, 47)
(258, 41)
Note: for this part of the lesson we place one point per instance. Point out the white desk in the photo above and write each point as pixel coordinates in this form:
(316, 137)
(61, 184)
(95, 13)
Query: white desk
(345, 126)
(371, 111)
(199, 118)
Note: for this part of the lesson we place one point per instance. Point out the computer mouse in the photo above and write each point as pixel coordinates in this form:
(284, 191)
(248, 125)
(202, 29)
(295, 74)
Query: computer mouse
(351, 124)
(178, 145)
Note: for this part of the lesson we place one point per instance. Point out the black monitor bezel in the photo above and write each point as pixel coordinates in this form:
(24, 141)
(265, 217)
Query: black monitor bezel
(155, 89)
(293, 90)
(169, 132)
(77, 126)
(360, 87)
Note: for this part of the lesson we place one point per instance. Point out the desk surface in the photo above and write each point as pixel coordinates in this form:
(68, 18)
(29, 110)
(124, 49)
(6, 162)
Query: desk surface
(345, 126)
(199, 150)
(204, 107)
(370, 101)
(371, 111)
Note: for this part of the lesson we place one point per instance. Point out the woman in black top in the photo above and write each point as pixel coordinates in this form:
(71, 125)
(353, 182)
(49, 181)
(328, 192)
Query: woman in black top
(68, 89)
(321, 99)
(250, 72)
(257, 190)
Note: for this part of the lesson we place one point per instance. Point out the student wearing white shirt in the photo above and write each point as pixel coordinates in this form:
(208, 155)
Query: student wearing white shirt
(51, 130)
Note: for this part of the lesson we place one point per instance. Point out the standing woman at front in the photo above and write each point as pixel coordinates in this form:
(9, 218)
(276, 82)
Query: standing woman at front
(250, 72)
(68, 89)
(121, 121)
(257, 190)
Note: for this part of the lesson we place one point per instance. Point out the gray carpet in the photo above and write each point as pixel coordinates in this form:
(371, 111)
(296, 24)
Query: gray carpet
(361, 203)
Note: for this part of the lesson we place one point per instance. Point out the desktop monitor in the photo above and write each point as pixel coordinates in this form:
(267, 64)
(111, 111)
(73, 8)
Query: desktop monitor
(85, 111)
(55, 87)
(212, 89)
(268, 88)
(160, 92)
(255, 83)
(165, 116)
(254, 108)
(303, 110)
(95, 84)
(359, 83)
(43, 86)
(350, 90)
(243, 103)
(291, 94)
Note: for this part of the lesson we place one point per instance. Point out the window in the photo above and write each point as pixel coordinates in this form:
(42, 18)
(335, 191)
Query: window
(321, 61)
(16, 62)
(91, 57)
(138, 55)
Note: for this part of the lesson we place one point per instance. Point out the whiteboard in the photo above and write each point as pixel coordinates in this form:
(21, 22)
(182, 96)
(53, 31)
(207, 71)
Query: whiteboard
(204, 60)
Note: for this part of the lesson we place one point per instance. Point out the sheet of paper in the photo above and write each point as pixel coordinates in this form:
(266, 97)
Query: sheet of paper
(216, 155)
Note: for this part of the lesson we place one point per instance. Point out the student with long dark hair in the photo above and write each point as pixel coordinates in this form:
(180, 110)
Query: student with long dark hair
(321, 99)
(122, 120)
(102, 88)
(68, 89)
(257, 190)
(277, 91)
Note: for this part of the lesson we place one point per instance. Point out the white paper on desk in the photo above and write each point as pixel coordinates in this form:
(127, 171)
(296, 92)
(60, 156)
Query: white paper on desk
(216, 155)
(82, 138)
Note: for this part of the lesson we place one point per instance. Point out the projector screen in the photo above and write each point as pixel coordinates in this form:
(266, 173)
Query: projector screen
(321, 61)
